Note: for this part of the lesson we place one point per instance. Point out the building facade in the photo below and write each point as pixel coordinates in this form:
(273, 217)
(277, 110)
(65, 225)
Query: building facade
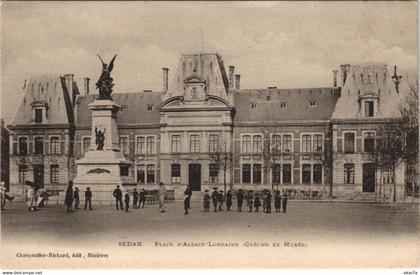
(203, 131)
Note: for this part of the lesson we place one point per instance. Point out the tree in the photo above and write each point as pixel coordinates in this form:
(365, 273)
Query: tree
(324, 157)
(222, 159)
(271, 154)
(409, 111)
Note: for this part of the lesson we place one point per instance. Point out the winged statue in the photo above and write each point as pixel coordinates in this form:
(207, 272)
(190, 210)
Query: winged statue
(104, 84)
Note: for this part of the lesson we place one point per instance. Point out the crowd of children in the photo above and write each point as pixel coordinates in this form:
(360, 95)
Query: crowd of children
(252, 198)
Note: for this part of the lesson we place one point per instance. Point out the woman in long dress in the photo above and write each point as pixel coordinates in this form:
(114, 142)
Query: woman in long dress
(162, 195)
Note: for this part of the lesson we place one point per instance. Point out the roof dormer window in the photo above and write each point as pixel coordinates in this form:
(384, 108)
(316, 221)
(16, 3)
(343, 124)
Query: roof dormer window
(312, 103)
(149, 108)
(283, 104)
(253, 105)
(39, 111)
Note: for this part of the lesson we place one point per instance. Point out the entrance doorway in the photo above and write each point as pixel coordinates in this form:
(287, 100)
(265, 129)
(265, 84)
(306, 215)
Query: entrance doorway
(368, 177)
(39, 175)
(194, 177)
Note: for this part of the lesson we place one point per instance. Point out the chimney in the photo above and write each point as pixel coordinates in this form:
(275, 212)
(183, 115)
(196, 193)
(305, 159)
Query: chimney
(335, 73)
(165, 72)
(237, 81)
(344, 72)
(397, 80)
(86, 85)
(68, 80)
(231, 76)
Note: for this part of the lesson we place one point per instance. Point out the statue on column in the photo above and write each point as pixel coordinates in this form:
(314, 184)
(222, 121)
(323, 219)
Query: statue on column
(100, 139)
(104, 83)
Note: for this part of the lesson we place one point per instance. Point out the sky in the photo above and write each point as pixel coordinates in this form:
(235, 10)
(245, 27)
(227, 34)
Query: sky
(283, 44)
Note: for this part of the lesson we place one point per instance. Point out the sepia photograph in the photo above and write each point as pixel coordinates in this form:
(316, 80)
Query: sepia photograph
(209, 135)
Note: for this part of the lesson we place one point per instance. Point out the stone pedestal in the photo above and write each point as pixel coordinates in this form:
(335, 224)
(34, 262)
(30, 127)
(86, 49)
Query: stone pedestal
(102, 170)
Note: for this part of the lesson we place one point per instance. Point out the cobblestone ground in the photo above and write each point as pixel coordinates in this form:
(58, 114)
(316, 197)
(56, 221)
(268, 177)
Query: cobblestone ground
(315, 224)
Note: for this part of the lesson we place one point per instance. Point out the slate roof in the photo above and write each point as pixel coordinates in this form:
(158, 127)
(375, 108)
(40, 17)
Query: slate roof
(135, 108)
(266, 105)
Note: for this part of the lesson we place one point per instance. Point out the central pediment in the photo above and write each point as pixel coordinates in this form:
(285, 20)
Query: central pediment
(194, 79)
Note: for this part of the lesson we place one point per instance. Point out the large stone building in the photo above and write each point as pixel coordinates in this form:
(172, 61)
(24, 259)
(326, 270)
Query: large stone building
(319, 135)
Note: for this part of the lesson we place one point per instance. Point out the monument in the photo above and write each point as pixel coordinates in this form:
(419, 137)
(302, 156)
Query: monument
(104, 165)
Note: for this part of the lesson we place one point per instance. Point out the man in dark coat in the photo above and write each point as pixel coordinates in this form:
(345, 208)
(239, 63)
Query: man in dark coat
(229, 200)
(215, 198)
(257, 201)
(127, 201)
(88, 198)
(187, 198)
(142, 198)
(118, 198)
(69, 197)
(284, 202)
(135, 198)
(268, 209)
(240, 199)
(277, 200)
(76, 198)
(206, 201)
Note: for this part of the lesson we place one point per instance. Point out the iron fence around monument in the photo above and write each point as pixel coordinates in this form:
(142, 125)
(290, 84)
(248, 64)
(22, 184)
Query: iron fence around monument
(103, 197)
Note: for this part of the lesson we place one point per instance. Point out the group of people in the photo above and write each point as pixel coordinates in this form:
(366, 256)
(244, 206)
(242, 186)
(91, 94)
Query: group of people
(253, 200)
(74, 197)
(139, 198)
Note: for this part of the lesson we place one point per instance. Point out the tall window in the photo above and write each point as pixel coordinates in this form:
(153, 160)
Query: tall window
(369, 111)
(140, 143)
(150, 173)
(349, 173)
(256, 174)
(246, 144)
(287, 144)
(54, 173)
(38, 115)
(276, 146)
(317, 143)
(86, 144)
(22, 173)
(317, 174)
(287, 174)
(176, 144)
(194, 143)
(306, 143)
(213, 143)
(349, 143)
(150, 145)
(39, 145)
(257, 144)
(213, 173)
(55, 146)
(306, 174)
(176, 173)
(369, 142)
(124, 144)
(246, 173)
(23, 146)
(276, 173)
(140, 174)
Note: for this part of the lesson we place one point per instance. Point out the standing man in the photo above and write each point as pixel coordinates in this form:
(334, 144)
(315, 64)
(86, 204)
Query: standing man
(268, 210)
(284, 201)
(127, 201)
(229, 200)
(4, 195)
(69, 197)
(215, 198)
(206, 201)
(142, 197)
(76, 198)
(187, 199)
(162, 195)
(88, 198)
(221, 200)
(240, 199)
(118, 198)
(135, 198)
(250, 200)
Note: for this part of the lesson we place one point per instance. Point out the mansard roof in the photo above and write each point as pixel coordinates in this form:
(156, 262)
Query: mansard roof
(137, 108)
(52, 91)
(284, 105)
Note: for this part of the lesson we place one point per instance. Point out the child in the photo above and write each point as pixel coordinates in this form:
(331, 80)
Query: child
(257, 202)
(206, 202)
(127, 201)
(229, 200)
